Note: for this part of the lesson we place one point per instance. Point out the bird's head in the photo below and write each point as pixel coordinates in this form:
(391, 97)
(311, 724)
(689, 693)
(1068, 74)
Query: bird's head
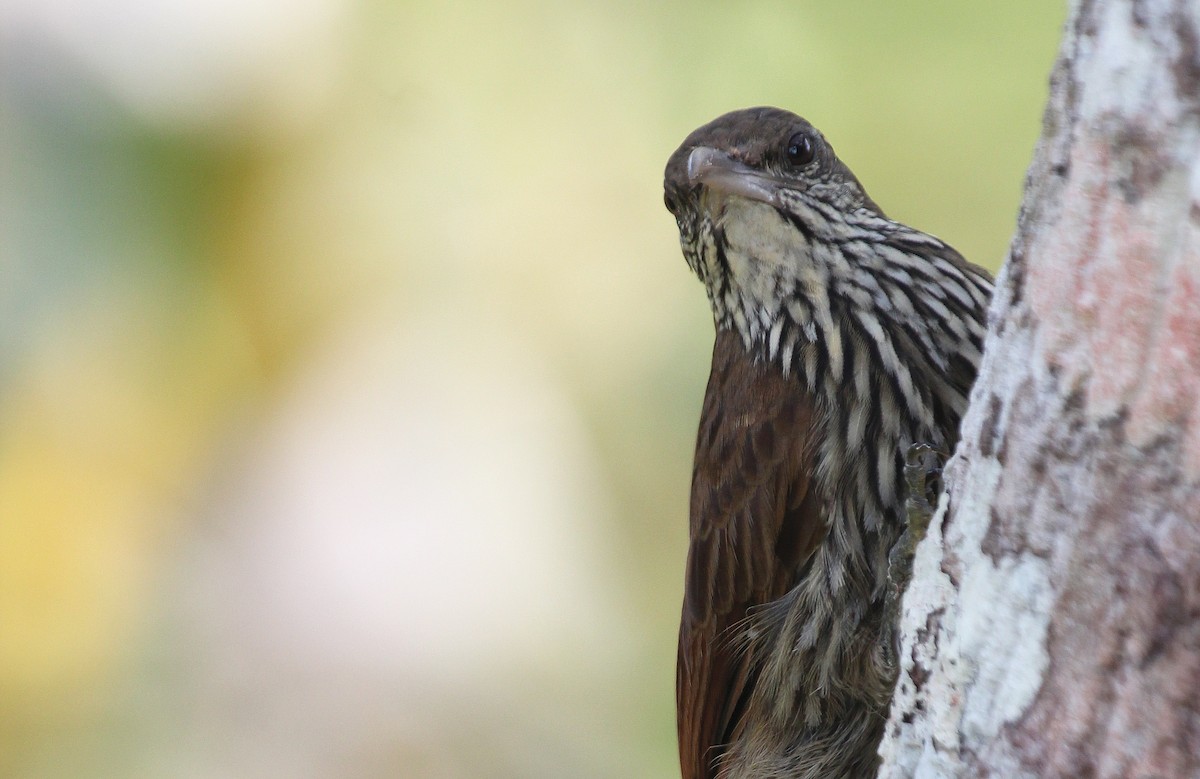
(752, 192)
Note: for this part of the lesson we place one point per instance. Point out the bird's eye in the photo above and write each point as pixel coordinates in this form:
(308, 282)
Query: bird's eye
(669, 202)
(800, 149)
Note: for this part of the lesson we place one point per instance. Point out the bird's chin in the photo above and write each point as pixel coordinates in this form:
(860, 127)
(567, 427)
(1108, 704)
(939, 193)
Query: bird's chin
(721, 174)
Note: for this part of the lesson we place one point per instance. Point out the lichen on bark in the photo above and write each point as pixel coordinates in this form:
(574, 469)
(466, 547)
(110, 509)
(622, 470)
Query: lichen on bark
(1052, 625)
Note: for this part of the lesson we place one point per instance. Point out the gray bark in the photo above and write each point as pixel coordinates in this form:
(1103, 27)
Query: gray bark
(1052, 627)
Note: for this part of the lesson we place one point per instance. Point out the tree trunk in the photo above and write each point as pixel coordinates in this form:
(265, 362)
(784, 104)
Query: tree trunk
(1052, 627)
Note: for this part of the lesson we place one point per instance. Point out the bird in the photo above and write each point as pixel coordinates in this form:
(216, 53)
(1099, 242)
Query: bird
(843, 339)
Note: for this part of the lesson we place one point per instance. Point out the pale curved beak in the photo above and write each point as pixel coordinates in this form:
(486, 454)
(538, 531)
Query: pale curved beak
(719, 172)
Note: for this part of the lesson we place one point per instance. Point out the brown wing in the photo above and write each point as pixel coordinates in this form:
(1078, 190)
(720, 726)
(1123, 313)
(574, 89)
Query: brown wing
(754, 522)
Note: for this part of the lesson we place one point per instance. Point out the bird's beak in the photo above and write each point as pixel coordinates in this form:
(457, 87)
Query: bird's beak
(719, 172)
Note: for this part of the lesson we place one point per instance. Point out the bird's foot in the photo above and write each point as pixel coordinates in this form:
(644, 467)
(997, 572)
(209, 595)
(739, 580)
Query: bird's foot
(922, 475)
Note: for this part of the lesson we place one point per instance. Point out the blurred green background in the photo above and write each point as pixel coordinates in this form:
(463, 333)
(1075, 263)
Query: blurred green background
(349, 368)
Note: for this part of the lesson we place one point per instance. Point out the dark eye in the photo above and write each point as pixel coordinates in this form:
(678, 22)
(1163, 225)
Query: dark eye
(800, 149)
(669, 202)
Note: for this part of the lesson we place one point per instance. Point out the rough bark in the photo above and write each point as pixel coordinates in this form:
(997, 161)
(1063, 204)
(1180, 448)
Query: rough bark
(1052, 628)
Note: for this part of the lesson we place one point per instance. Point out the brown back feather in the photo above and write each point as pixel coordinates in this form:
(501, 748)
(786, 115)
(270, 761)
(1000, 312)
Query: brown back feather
(755, 520)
